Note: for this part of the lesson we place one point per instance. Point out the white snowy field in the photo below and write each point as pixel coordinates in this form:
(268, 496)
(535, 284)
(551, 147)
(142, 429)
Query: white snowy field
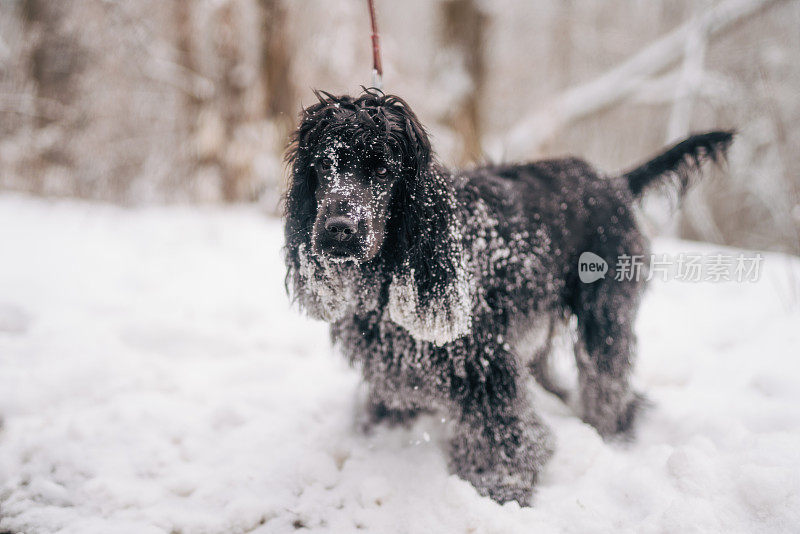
(154, 379)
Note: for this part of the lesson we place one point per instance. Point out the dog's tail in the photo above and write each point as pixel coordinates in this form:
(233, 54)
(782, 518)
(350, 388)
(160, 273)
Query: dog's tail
(678, 167)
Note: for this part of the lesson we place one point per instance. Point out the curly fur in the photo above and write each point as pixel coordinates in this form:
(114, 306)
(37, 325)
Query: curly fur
(468, 267)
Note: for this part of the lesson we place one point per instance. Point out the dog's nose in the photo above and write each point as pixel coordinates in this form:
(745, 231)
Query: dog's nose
(340, 228)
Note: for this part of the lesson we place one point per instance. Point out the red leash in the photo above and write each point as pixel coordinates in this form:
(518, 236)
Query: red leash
(377, 68)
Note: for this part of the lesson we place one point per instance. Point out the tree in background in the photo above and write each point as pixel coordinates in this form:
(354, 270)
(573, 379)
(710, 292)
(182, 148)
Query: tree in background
(141, 101)
(464, 36)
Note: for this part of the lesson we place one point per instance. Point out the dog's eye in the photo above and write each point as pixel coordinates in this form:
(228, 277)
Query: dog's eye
(381, 171)
(325, 163)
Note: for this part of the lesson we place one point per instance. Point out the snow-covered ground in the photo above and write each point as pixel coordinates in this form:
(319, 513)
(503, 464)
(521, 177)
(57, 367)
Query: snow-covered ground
(154, 379)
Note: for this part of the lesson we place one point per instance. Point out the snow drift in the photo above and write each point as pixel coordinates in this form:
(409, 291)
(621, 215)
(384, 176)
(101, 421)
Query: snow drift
(153, 379)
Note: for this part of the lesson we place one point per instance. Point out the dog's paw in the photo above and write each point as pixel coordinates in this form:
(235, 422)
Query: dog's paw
(619, 422)
(376, 413)
(513, 479)
(504, 487)
(504, 467)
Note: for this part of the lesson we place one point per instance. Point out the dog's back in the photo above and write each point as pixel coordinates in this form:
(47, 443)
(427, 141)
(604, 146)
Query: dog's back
(581, 208)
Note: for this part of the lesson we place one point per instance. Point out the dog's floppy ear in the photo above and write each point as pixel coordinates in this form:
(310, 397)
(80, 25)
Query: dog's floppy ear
(299, 202)
(306, 279)
(431, 290)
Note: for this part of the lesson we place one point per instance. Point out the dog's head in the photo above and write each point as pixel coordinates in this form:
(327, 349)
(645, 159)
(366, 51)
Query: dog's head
(350, 157)
(365, 196)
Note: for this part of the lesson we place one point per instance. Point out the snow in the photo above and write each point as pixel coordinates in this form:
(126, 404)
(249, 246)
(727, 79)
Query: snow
(154, 378)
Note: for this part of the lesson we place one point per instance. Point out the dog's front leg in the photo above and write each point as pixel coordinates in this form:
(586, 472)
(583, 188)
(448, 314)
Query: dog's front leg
(500, 450)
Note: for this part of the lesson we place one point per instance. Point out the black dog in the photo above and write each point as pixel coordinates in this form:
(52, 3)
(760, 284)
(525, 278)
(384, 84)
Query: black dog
(439, 284)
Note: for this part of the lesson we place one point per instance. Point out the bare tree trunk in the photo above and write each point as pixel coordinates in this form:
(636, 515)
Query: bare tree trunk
(276, 66)
(56, 59)
(464, 32)
(784, 224)
(215, 117)
(182, 10)
(229, 100)
(561, 58)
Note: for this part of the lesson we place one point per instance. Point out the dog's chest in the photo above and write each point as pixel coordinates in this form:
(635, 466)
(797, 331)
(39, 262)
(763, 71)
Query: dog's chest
(403, 371)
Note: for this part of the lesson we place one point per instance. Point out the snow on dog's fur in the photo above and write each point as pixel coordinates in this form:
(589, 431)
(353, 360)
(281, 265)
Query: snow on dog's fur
(433, 279)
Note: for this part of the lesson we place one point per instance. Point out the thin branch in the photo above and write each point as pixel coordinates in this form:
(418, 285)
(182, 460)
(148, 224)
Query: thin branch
(621, 81)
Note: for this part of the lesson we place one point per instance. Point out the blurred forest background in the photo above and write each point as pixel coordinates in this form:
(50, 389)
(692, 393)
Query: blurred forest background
(191, 101)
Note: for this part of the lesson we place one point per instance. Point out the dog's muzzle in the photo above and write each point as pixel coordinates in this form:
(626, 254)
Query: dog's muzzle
(340, 236)
(341, 228)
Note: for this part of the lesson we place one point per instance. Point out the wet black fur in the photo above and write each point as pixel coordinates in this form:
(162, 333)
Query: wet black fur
(493, 252)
